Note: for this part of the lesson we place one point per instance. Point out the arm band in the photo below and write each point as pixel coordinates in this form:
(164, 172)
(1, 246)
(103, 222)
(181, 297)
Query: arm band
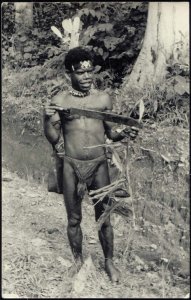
(56, 122)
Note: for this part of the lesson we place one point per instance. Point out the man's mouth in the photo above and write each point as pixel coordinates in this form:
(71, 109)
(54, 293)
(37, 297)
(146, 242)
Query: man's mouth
(87, 83)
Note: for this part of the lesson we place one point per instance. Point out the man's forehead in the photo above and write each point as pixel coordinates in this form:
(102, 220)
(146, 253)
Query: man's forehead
(82, 65)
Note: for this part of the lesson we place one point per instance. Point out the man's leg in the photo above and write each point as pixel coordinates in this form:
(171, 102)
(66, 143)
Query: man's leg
(73, 209)
(106, 231)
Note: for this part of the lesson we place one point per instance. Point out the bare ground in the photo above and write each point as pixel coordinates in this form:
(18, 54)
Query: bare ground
(36, 255)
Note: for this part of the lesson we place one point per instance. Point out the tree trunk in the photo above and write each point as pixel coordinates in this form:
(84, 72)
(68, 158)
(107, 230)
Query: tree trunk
(166, 40)
(23, 15)
(23, 25)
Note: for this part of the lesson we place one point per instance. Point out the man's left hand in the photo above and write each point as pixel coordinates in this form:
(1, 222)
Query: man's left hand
(131, 132)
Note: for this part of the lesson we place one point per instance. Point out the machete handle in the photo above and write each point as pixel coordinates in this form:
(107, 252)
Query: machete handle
(61, 109)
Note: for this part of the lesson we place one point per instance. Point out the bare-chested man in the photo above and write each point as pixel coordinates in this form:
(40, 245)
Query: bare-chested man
(84, 168)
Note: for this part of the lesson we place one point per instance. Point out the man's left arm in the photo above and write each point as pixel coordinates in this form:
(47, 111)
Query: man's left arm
(131, 132)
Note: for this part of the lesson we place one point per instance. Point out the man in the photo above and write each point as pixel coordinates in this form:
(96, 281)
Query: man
(84, 168)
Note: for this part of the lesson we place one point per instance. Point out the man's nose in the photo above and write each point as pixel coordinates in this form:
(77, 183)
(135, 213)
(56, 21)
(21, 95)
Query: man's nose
(87, 75)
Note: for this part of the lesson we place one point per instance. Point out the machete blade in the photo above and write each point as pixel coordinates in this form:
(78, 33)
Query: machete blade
(105, 116)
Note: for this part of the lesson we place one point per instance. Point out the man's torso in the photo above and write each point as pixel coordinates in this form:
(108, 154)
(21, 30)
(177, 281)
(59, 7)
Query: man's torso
(83, 132)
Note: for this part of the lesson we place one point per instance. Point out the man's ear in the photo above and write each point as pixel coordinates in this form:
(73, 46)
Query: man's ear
(67, 74)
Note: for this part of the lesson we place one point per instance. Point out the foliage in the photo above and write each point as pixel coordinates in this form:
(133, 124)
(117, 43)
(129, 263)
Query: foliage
(113, 31)
(166, 103)
(26, 91)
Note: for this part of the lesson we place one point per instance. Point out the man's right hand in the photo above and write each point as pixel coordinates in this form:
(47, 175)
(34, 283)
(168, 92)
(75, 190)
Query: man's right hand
(50, 110)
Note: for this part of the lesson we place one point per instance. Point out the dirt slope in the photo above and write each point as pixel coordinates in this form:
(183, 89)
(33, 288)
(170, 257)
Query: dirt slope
(36, 254)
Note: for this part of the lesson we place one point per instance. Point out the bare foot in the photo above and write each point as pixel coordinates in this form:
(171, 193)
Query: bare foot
(74, 269)
(111, 270)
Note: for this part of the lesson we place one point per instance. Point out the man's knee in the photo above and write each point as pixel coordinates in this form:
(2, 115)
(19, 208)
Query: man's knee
(74, 220)
(106, 223)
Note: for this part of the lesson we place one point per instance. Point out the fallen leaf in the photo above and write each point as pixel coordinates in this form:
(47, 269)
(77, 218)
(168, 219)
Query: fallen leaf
(165, 158)
(141, 109)
(32, 195)
(165, 260)
(81, 277)
(37, 242)
(138, 260)
(153, 246)
(64, 262)
(92, 241)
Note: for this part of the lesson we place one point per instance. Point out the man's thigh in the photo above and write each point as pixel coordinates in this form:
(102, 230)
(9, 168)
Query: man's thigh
(70, 181)
(101, 177)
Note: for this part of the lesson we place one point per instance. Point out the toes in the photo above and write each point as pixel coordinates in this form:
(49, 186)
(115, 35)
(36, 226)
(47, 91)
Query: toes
(74, 269)
(113, 273)
(115, 278)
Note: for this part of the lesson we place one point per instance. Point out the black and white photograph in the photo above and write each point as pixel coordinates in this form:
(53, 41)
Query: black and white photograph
(95, 150)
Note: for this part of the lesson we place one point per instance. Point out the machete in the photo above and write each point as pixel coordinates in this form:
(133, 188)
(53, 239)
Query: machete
(105, 116)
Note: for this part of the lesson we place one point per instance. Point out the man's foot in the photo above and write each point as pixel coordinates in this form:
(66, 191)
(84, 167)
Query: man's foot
(74, 269)
(112, 271)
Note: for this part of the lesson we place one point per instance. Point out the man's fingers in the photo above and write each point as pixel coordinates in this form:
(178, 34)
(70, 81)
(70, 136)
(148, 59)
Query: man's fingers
(134, 128)
(56, 107)
(52, 108)
(48, 110)
(132, 134)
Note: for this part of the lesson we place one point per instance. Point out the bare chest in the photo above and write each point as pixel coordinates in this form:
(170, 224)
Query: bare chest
(89, 102)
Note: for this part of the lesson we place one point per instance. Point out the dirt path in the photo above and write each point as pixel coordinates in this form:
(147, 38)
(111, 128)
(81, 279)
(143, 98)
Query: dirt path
(36, 254)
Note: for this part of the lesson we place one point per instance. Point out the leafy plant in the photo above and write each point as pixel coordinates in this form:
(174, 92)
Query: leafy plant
(166, 103)
(113, 31)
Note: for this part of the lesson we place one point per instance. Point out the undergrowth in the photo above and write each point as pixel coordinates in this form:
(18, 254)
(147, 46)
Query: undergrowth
(26, 91)
(165, 103)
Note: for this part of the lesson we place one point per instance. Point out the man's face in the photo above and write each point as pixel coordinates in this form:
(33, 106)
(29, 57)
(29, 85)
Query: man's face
(82, 76)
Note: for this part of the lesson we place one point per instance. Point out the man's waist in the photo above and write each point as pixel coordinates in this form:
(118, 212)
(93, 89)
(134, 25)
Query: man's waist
(97, 158)
(83, 153)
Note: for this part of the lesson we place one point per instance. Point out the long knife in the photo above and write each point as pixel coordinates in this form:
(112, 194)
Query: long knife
(105, 116)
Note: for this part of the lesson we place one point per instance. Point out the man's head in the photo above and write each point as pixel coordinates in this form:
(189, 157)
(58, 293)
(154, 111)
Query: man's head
(79, 63)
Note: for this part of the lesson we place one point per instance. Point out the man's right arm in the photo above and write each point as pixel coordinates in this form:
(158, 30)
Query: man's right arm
(52, 123)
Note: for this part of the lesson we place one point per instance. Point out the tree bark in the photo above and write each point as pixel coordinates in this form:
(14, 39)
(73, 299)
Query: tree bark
(23, 15)
(166, 40)
(23, 25)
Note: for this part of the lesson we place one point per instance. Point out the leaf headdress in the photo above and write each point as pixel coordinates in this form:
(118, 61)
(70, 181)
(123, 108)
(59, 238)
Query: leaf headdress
(71, 32)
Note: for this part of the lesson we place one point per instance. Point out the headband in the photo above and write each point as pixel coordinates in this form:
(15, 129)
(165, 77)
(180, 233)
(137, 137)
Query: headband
(84, 65)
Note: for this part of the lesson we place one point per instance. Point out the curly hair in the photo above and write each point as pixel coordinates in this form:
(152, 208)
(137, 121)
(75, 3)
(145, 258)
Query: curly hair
(75, 55)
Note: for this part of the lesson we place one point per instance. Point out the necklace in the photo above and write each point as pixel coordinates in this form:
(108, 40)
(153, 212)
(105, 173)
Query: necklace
(78, 93)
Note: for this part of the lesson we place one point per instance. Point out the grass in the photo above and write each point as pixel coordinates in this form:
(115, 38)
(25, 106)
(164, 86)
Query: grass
(31, 268)
(32, 255)
(163, 104)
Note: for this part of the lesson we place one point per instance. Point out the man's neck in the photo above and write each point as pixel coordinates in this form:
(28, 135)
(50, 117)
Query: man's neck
(77, 93)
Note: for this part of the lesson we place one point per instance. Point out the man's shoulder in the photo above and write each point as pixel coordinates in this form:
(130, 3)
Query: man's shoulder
(60, 98)
(102, 95)
(99, 92)
(104, 98)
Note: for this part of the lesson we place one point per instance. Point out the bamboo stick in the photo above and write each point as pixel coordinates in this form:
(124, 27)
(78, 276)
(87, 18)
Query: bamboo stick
(94, 192)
